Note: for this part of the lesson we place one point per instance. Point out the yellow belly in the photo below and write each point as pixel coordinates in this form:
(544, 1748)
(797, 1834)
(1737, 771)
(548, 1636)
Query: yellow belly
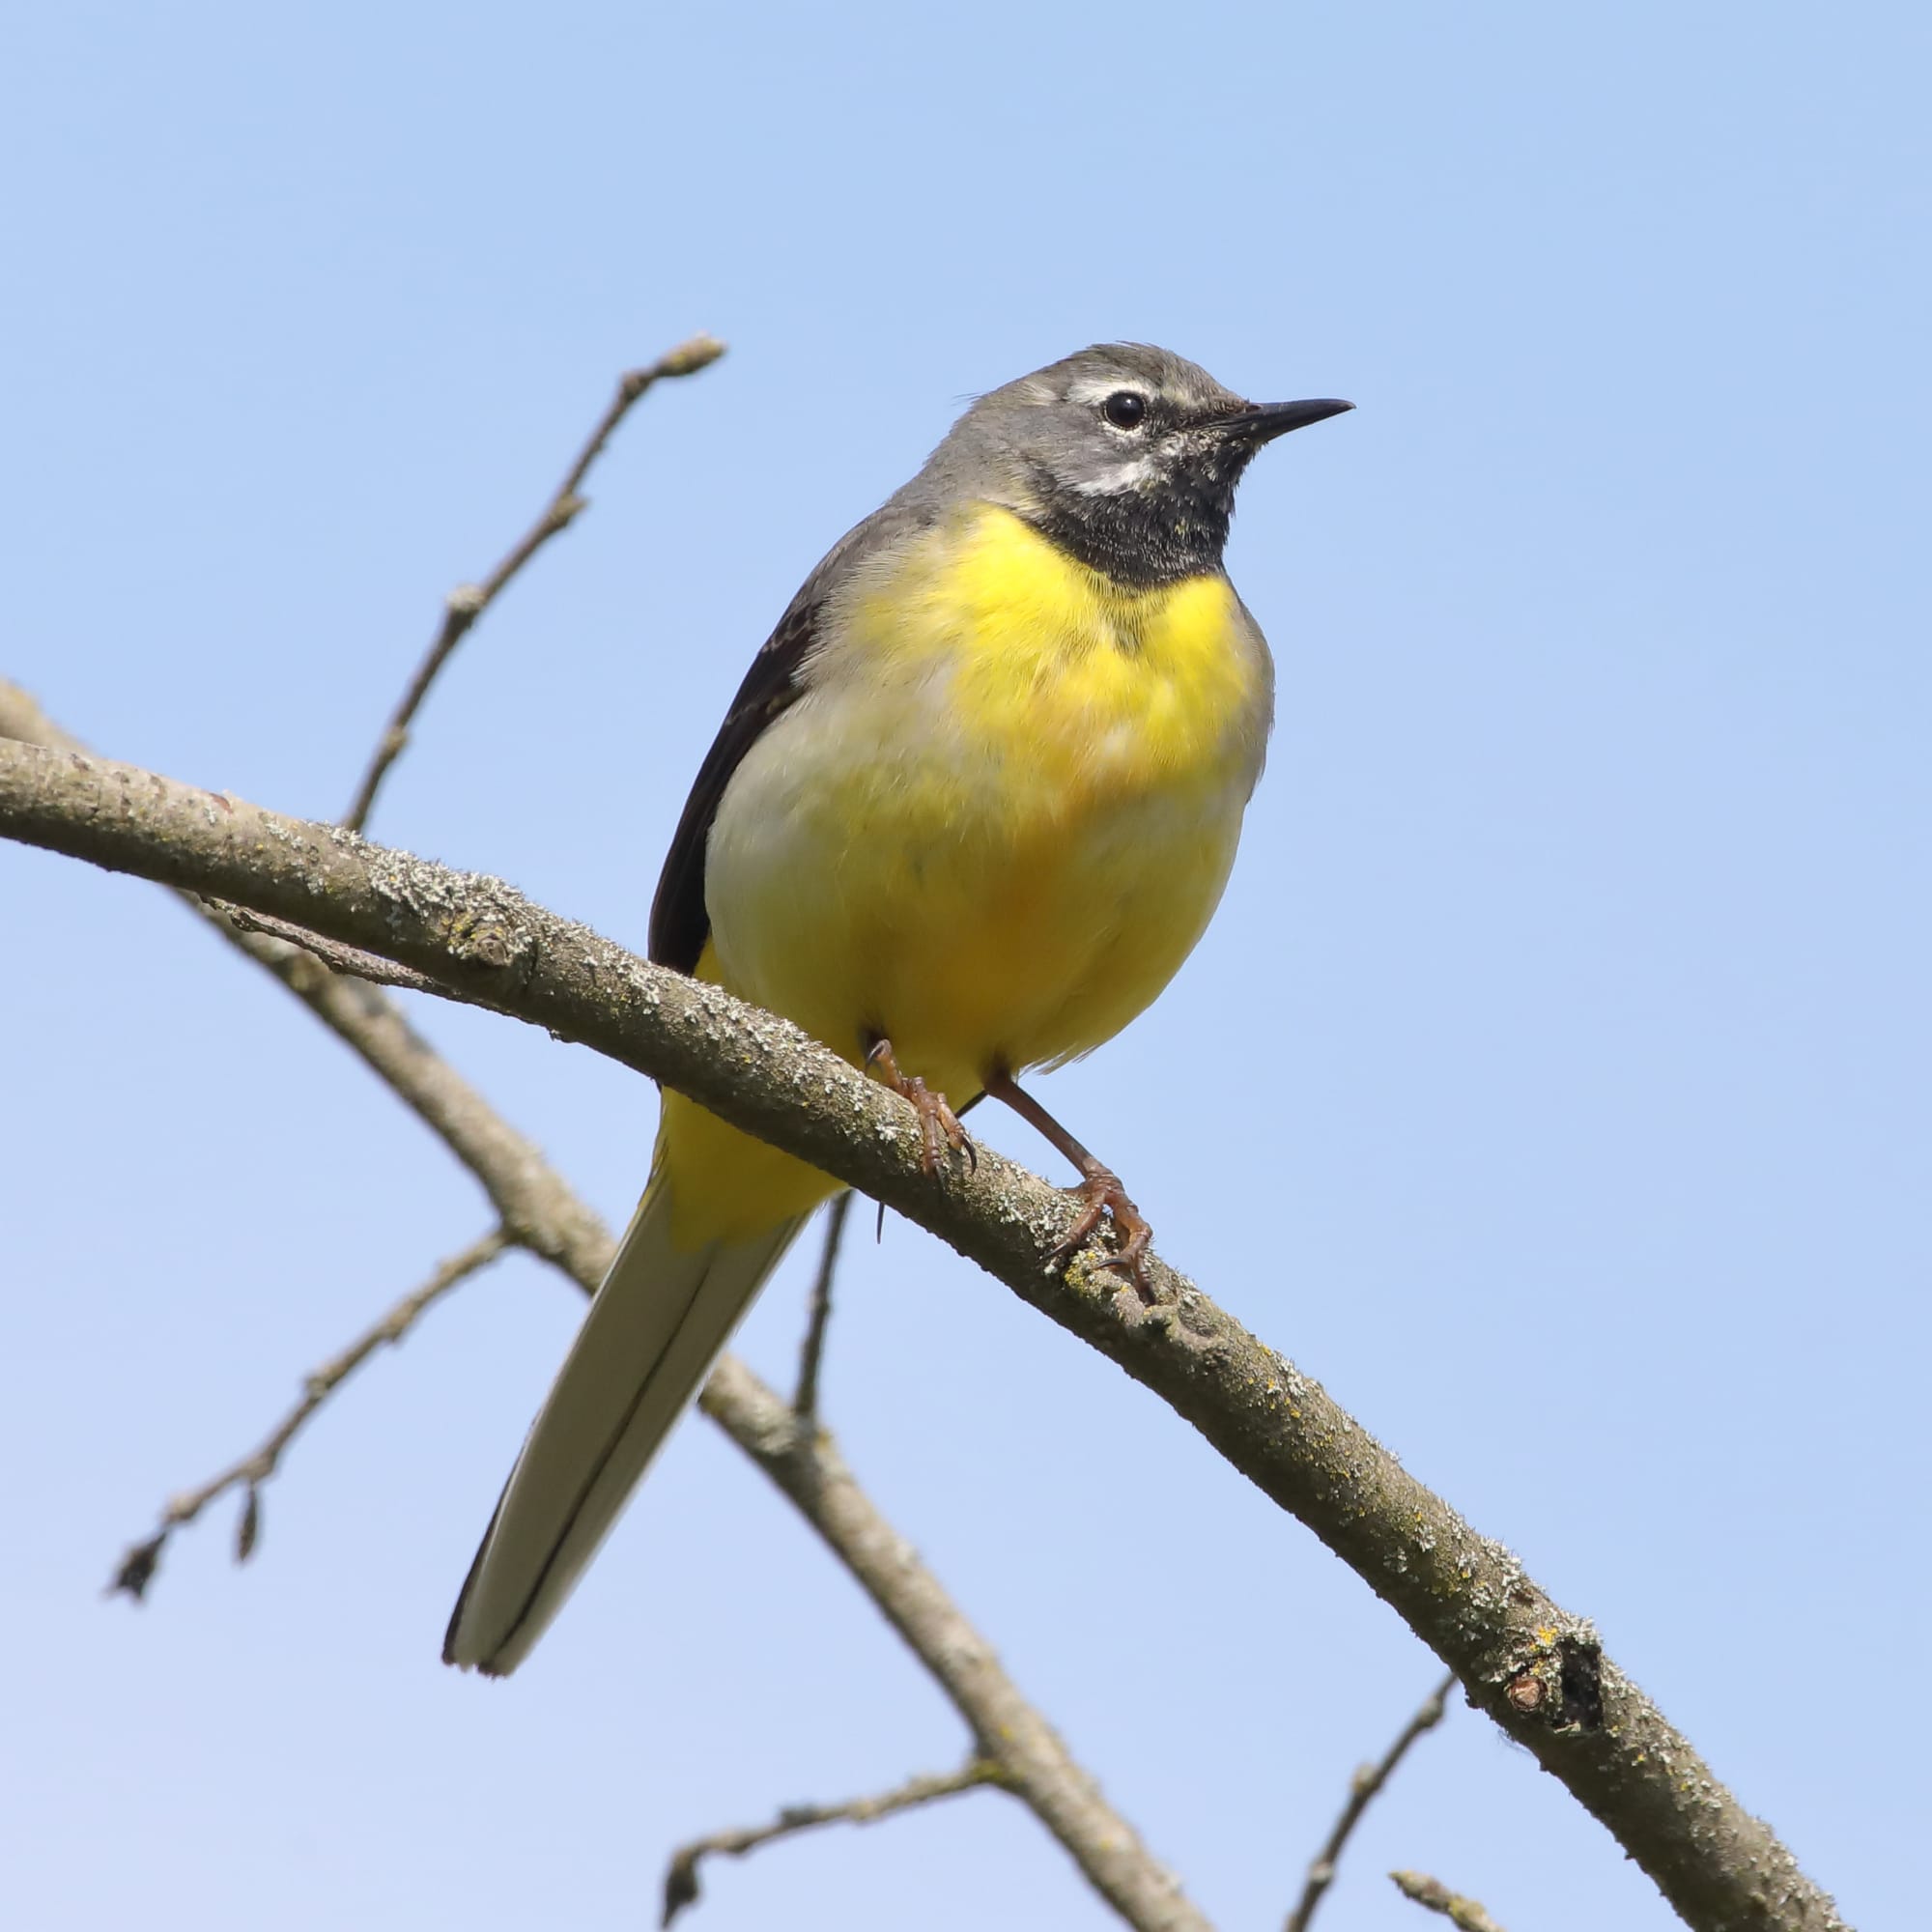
(997, 822)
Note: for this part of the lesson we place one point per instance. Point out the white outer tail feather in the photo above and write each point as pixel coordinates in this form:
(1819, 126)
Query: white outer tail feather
(660, 1318)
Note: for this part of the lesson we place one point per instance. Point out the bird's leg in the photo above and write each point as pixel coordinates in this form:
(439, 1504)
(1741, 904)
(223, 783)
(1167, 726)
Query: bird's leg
(1098, 1190)
(939, 1125)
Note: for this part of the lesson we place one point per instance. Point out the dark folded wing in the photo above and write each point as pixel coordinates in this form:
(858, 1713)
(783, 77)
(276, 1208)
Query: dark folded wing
(680, 924)
(680, 921)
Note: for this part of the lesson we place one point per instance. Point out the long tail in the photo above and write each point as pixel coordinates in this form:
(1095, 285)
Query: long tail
(663, 1315)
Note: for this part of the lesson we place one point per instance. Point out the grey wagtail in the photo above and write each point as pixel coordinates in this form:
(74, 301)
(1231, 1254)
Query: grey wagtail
(973, 804)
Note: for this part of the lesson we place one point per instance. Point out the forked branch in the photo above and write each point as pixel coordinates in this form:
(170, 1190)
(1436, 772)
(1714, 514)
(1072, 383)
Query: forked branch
(542, 1214)
(1538, 1671)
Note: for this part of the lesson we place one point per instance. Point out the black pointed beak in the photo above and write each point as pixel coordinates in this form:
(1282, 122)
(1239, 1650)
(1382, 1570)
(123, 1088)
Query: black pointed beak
(1262, 423)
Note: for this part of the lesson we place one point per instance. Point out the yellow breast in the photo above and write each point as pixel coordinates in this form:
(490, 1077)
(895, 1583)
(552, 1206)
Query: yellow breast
(1078, 687)
(1001, 815)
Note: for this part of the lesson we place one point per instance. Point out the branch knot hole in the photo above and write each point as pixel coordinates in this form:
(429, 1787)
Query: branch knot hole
(480, 936)
(1562, 1682)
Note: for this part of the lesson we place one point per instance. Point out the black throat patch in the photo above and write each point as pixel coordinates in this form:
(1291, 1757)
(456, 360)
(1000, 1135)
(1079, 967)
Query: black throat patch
(1169, 528)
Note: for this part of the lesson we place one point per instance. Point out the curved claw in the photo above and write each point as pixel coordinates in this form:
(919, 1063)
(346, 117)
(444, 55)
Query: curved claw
(1103, 1196)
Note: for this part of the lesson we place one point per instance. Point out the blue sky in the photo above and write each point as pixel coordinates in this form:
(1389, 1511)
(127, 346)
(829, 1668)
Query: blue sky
(1553, 1083)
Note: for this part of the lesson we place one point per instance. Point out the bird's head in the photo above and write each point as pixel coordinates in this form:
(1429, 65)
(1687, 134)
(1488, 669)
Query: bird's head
(1123, 454)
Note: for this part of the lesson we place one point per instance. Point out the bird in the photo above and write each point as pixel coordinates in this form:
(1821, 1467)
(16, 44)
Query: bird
(972, 805)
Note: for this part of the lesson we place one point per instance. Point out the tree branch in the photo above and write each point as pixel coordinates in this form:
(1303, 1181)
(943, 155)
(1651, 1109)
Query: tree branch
(136, 1570)
(1464, 1914)
(541, 1212)
(681, 1888)
(467, 602)
(1363, 1788)
(1538, 1671)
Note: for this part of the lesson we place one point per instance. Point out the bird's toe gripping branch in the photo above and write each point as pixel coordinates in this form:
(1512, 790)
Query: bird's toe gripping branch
(939, 1128)
(1098, 1190)
(1101, 1196)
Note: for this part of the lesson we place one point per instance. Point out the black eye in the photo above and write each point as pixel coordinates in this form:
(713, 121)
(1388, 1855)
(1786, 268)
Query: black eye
(1124, 409)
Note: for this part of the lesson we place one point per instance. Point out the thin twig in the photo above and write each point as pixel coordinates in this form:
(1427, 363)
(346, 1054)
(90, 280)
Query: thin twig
(1464, 1914)
(1536, 1669)
(804, 1403)
(1363, 1787)
(351, 960)
(681, 1887)
(467, 602)
(136, 1570)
